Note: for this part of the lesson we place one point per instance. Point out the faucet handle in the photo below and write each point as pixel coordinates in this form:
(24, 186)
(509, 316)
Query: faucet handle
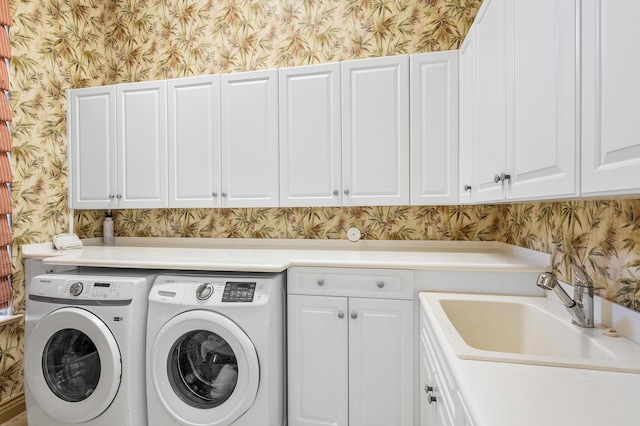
(580, 277)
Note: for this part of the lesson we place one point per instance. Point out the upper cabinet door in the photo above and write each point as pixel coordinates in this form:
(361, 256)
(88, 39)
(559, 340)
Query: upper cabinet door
(92, 148)
(542, 144)
(310, 138)
(142, 144)
(465, 117)
(610, 93)
(194, 141)
(249, 124)
(375, 131)
(434, 128)
(489, 101)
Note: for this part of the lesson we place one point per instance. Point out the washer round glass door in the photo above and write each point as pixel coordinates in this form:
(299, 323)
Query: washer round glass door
(204, 369)
(73, 365)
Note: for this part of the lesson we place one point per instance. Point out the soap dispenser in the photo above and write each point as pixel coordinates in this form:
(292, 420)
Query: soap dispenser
(107, 229)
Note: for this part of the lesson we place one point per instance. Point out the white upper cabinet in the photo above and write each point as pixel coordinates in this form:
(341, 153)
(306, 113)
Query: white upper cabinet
(91, 115)
(310, 136)
(375, 131)
(142, 144)
(465, 117)
(434, 128)
(489, 100)
(542, 141)
(194, 141)
(524, 100)
(610, 93)
(117, 143)
(249, 129)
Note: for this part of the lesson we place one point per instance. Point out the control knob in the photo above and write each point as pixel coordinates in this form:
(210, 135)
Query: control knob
(204, 291)
(76, 288)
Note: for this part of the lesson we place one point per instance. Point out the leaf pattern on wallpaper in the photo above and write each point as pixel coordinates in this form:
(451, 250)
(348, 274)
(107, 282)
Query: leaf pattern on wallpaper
(601, 235)
(135, 40)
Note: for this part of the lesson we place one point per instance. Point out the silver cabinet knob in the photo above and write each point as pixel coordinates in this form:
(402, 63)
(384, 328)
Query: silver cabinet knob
(321, 282)
(467, 188)
(354, 315)
(224, 194)
(346, 192)
(380, 284)
(214, 194)
(501, 177)
(111, 196)
(340, 315)
(428, 388)
(336, 192)
(118, 196)
(431, 399)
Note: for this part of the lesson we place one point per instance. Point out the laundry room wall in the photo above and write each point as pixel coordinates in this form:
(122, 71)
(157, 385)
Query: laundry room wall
(61, 45)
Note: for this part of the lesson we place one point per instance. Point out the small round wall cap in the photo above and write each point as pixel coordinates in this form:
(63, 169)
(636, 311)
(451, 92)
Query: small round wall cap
(353, 234)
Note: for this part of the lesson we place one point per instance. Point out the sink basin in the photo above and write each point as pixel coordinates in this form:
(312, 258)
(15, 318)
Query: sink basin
(527, 330)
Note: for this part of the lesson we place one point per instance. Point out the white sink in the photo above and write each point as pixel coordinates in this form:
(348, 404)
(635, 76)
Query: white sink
(527, 330)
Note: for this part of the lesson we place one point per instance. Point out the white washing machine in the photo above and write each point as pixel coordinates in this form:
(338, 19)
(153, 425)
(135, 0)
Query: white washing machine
(216, 350)
(85, 346)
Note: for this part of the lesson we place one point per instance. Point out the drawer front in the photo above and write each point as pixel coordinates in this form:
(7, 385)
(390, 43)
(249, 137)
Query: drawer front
(445, 385)
(358, 282)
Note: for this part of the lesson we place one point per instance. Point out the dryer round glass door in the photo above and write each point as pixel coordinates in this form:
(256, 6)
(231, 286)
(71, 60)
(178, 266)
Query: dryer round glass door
(72, 365)
(204, 369)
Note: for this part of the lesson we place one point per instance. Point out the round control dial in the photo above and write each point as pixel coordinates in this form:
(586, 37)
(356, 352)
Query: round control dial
(76, 288)
(204, 291)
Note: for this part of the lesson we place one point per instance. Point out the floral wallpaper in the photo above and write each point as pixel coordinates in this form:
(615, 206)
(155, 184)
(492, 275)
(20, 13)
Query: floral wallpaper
(62, 44)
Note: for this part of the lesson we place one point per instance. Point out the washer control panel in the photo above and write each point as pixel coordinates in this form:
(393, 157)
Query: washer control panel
(239, 292)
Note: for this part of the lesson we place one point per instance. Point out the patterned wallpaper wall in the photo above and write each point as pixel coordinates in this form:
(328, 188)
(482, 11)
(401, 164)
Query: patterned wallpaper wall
(62, 44)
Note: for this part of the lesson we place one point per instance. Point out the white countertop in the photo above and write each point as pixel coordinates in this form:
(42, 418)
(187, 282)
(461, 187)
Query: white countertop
(507, 394)
(262, 255)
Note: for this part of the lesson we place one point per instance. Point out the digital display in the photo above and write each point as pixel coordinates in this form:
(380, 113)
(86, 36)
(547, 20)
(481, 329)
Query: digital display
(105, 285)
(238, 292)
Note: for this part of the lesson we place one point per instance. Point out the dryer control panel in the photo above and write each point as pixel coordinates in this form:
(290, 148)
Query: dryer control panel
(76, 287)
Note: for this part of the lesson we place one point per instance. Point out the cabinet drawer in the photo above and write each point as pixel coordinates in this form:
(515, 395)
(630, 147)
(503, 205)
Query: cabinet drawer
(378, 283)
(439, 360)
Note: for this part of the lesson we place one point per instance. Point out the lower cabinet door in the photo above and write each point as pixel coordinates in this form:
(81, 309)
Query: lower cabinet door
(317, 361)
(381, 387)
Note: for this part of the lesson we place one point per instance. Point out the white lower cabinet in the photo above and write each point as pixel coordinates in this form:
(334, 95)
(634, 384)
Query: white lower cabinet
(350, 353)
(440, 401)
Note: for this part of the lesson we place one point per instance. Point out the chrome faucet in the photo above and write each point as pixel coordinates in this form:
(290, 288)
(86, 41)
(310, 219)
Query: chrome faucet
(581, 306)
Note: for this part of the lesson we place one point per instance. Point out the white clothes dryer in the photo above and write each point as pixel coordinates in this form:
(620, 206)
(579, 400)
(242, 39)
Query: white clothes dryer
(85, 346)
(216, 350)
